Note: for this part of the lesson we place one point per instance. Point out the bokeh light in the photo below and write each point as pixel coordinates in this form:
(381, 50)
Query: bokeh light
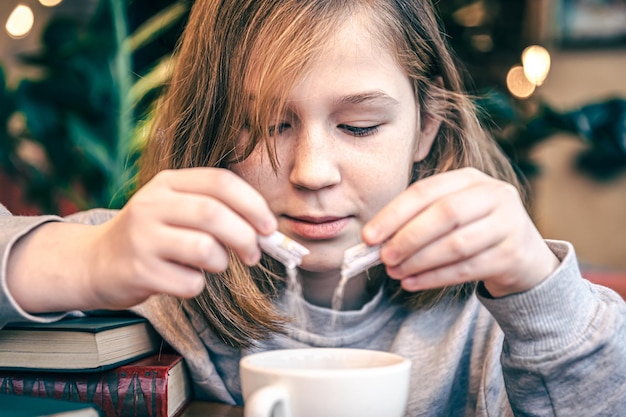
(20, 21)
(482, 42)
(518, 84)
(50, 3)
(536, 62)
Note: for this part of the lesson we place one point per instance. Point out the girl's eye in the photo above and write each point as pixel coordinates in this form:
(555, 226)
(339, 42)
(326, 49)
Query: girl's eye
(359, 131)
(278, 129)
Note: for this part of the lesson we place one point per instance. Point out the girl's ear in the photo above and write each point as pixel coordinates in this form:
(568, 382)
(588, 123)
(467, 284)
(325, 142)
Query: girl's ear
(429, 127)
(428, 131)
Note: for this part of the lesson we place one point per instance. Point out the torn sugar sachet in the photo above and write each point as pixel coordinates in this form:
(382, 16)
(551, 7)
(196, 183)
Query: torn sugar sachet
(359, 258)
(284, 249)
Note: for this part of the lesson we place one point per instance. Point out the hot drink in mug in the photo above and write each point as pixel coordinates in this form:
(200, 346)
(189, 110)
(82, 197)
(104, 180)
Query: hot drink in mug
(329, 382)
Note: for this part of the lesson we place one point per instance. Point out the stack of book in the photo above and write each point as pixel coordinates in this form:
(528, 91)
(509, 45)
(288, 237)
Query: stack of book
(117, 365)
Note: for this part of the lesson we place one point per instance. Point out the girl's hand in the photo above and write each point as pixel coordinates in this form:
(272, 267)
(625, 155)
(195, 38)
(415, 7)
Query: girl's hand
(180, 222)
(461, 226)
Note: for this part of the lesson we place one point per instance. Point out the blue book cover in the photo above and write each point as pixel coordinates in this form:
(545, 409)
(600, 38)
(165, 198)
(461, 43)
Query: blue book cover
(21, 406)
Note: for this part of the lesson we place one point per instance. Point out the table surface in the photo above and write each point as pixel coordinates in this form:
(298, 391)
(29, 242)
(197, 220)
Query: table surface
(210, 409)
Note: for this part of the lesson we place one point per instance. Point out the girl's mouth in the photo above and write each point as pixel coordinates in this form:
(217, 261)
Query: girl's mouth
(316, 228)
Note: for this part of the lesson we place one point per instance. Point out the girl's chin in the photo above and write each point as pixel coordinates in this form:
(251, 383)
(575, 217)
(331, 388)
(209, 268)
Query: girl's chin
(320, 269)
(321, 265)
(325, 258)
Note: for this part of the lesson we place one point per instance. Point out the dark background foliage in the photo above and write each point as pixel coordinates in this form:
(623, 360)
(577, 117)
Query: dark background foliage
(77, 116)
(74, 133)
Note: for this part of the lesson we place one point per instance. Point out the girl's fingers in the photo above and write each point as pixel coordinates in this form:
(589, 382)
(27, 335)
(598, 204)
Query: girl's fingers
(478, 267)
(415, 199)
(508, 261)
(460, 245)
(192, 248)
(178, 224)
(176, 279)
(221, 208)
(143, 277)
(443, 217)
(457, 227)
(214, 224)
(224, 186)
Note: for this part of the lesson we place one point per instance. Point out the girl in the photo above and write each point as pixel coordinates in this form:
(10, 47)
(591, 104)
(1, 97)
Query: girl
(334, 122)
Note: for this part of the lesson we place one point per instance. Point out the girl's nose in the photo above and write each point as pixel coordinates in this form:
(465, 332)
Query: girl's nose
(315, 160)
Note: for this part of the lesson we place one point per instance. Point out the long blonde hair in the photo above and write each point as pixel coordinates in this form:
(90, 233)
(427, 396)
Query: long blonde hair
(229, 42)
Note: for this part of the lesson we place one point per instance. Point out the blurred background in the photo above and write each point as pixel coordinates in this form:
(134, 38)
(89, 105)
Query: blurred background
(78, 79)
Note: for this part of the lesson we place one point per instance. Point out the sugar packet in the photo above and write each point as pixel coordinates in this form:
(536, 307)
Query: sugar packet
(356, 259)
(359, 258)
(284, 249)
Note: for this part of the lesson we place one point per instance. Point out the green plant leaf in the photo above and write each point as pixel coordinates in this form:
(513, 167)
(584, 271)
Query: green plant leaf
(156, 25)
(151, 81)
(88, 141)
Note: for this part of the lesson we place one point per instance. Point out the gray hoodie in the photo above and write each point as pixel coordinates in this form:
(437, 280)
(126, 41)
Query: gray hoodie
(556, 350)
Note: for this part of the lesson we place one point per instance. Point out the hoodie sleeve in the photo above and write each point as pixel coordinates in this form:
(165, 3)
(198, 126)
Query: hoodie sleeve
(12, 228)
(563, 350)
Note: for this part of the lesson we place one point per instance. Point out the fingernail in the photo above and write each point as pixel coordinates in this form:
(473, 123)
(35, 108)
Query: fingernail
(371, 233)
(389, 256)
(411, 284)
(269, 225)
(393, 273)
(253, 258)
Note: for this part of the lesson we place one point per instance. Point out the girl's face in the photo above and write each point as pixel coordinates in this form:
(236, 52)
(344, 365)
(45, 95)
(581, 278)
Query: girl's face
(345, 144)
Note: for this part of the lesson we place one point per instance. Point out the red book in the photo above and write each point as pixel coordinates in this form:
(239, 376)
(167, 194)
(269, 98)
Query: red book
(616, 280)
(156, 386)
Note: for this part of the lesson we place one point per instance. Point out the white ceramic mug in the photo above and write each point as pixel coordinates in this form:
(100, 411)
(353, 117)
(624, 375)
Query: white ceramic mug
(325, 382)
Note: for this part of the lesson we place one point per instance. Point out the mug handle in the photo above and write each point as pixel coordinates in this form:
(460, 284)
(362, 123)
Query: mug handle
(264, 401)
